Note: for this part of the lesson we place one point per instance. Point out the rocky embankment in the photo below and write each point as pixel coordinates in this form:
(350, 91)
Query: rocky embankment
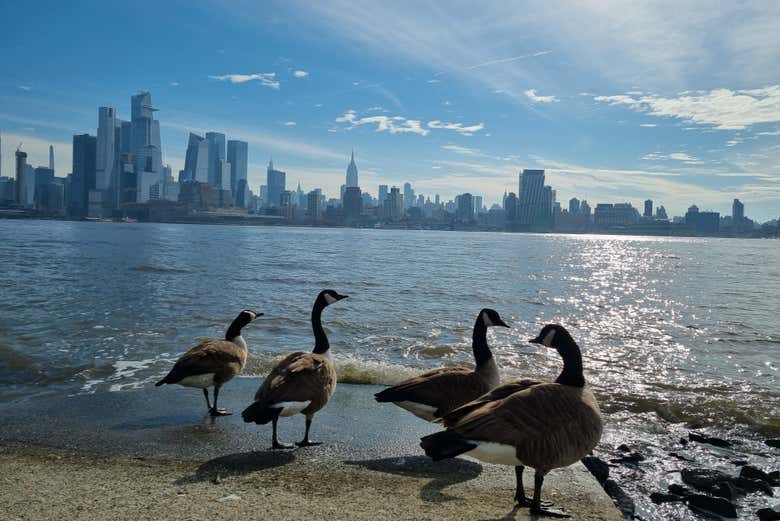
(694, 476)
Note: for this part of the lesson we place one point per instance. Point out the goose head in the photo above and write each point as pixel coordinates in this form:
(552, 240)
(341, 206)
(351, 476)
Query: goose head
(553, 335)
(489, 317)
(329, 296)
(245, 317)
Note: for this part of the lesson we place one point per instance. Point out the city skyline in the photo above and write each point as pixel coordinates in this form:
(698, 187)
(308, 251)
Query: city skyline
(448, 116)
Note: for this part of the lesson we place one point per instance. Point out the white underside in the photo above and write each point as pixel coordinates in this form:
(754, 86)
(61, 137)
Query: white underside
(418, 409)
(291, 408)
(497, 453)
(199, 380)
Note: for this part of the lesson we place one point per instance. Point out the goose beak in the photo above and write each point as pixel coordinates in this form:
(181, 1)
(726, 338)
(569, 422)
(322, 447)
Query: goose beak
(502, 323)
(536, 340)
(340, 297)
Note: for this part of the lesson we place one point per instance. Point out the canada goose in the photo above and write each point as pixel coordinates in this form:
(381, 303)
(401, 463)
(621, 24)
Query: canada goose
(527, 423)
(301, 383)
(213, 362)
(435, 393)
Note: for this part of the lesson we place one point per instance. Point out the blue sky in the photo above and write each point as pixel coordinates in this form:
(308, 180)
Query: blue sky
(677, 101)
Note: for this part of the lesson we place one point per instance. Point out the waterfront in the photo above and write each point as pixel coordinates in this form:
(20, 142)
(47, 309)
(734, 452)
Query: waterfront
(672, 330)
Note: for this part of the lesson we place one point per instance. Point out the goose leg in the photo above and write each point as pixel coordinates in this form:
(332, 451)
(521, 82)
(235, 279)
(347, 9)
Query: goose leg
(536, 503)
(306, 442)
(214, 411)
(206, 394)
(520, 497)
(276, 444)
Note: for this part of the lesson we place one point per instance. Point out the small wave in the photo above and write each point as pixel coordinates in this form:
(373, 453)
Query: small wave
(350, 370)
(157, 269)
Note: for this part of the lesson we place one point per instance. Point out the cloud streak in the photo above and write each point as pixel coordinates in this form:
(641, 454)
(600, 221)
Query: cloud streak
(532, 95)
(266, 79)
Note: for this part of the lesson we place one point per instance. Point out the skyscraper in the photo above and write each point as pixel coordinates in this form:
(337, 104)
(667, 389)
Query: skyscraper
(382, 194)
(21, 172)
(352, 172)
(51, 158)
(145, 144)
(105, 159)
(237, 156)
(737, 212)
(477, 204)
(465, 207)
(275, 181)
(83, 177)
(574, 205)
(196, 160)
(216, 143)
(314, 205)
(536, 201)
(648, 208)
(408, 195)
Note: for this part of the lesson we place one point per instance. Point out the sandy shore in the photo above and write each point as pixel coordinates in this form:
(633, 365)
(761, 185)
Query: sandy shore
(150, 454)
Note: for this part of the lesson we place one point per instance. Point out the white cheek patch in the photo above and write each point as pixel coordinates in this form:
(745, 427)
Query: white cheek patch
(548, 339)
(330, 299)
(252, 315)
(486, 319)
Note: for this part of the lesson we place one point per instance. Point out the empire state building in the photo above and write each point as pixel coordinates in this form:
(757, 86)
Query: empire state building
(352, 172)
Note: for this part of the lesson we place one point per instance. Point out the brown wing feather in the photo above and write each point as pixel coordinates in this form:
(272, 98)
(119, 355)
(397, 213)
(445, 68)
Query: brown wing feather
(498, 393)
(445, 389)
(551, 425)
(300, 377)
(221, 357)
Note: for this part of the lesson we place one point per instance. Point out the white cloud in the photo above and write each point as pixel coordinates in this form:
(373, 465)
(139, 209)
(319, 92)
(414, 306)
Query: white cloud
(289, 123)
(465, 151)
(174, 84)
(721, 108)
(300, 73)
(648, 125)
(267, 79)
(392, 124)
(675, 156)
(537, 98)
(508, 60)
(457, 127)
(25, 88)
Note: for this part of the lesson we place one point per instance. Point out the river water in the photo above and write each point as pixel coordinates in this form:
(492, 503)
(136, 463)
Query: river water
(674, 331)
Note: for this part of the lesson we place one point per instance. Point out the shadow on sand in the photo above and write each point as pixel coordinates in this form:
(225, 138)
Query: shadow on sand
(442, 474)
(237, 465)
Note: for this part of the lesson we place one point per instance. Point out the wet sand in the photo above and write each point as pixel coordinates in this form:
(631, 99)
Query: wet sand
(150, 453)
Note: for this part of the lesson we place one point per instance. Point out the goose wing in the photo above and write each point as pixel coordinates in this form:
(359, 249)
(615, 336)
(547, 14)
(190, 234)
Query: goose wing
(549, 424)
(498, 393)
(210, 356)
(444, 389)
(299, 377)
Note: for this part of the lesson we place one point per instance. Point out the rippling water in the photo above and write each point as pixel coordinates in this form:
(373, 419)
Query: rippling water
(683, 328)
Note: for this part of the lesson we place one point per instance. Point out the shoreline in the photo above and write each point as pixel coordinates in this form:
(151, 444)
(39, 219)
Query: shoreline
(153, 453)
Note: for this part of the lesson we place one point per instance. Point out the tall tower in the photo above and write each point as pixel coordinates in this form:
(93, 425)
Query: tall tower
(21, 174)
(1, 154)
(105, 158)
(352, 172)
(51, 158)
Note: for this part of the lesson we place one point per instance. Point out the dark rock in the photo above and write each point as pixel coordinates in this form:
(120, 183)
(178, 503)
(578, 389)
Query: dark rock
(634, 458)
(768, 514)
(751, 472)
(739, 462)
(773, 443)
(726, 490)
(704, 479)
(715, 505)
(660, 497)
(711, 440)
(679, 490)
(598, 467)
(774, 476)
(753, 485)
(622, 500)
(683, 442)
(623, 448)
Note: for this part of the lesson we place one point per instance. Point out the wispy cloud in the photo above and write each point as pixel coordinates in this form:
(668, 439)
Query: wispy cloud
(457, 127)
(648, 125)
(25, 88)
(267, 79)
(300, 73)
(289, 123)
(507, 60)
(464, 151)
(720, 108)
(675, 156)
(391, 124)
(174, 84)
(538, 98)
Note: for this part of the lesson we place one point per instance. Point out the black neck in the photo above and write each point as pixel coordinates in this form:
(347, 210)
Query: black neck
(572, 365)
(479, 343)
(321, 344)
(235, 328)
